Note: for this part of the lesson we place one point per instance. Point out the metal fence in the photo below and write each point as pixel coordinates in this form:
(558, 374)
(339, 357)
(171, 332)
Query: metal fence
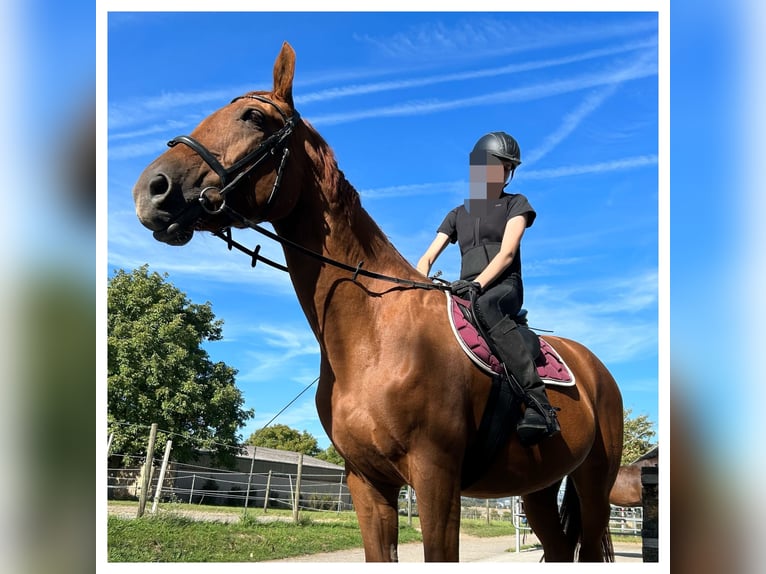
(318, 492)
(626, 520)
(199, 485)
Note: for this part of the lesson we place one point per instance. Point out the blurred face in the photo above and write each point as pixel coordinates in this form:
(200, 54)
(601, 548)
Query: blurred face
(488, 180)
(497, 173)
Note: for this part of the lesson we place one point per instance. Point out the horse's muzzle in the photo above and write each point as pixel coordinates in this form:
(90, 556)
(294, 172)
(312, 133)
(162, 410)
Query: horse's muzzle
(174, 235)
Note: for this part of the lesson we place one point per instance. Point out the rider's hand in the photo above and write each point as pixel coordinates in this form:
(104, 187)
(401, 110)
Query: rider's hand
(463, 288)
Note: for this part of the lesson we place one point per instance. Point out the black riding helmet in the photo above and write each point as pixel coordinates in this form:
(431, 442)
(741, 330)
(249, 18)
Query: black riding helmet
(499, 144)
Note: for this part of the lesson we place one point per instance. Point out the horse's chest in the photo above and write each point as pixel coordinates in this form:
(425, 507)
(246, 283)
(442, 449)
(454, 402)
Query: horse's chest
(371, 435)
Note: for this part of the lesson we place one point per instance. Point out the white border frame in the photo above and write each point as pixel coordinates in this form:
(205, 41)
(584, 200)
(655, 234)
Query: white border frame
(660, 7)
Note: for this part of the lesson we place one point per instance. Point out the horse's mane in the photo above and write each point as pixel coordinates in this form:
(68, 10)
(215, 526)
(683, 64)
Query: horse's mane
(338, 188)
(344, 196)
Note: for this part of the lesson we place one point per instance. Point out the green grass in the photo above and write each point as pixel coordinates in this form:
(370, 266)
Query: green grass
(172, 538)
(479, 527)
(627, 538)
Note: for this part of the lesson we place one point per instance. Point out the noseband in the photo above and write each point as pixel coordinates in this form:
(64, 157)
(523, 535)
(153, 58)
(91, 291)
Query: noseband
(232, 175)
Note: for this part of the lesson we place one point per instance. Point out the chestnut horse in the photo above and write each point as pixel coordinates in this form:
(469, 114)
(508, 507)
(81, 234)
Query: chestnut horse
(398, 397)
(627, 489)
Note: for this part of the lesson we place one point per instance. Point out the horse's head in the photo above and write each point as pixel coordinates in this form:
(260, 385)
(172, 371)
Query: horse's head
(235, 157)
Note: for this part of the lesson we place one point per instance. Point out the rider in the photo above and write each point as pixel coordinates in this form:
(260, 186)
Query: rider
(488, 228)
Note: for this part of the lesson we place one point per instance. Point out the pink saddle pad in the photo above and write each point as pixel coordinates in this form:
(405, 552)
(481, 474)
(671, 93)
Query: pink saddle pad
(550, 366)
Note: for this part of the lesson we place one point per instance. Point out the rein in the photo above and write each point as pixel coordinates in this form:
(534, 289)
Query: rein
(231, 176)
(358, 270)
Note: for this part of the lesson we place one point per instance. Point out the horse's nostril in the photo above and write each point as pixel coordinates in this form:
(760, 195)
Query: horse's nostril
(159, 185)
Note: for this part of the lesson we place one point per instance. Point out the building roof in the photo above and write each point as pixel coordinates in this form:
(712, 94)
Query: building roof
(286, 456)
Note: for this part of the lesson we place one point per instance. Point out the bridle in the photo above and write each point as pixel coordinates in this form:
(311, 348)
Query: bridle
(231, 176)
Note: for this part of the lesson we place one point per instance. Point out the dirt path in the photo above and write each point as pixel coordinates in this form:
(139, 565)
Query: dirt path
(472, 549)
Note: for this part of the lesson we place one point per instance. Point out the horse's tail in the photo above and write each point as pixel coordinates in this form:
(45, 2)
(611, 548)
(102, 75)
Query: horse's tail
(570, 516)
(606, 545)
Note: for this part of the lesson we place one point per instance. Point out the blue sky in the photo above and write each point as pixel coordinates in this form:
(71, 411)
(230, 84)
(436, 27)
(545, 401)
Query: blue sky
(401, 98)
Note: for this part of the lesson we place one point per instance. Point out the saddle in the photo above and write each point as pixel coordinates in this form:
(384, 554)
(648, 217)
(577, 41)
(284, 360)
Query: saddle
(503, 405)
(550, 366)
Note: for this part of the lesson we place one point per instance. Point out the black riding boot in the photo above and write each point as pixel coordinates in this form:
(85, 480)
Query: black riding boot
(539, 420)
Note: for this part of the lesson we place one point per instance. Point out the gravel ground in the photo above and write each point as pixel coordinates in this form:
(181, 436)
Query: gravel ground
(130, 512)
(472, 549)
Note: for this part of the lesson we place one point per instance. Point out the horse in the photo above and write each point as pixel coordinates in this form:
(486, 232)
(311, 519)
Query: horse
(627, 489)
(381, 341)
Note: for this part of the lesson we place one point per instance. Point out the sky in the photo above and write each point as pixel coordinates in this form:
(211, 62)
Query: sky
(401, 98)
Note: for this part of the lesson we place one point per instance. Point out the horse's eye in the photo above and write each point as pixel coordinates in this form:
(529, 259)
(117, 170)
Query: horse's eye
(252, 116)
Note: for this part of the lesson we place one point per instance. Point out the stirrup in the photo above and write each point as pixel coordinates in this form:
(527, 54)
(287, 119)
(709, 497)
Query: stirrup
(531, 434)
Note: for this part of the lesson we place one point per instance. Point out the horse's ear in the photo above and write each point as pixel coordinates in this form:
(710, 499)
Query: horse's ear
(284, 70)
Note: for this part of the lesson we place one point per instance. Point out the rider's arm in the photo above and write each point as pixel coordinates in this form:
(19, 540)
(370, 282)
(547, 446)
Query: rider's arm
(433, 251)
(514, 230)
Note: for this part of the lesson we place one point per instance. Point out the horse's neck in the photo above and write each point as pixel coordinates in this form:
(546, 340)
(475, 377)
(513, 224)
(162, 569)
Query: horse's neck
(328, 219)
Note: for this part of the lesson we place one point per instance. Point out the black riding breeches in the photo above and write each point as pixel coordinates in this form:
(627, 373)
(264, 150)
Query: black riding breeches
(502, 299)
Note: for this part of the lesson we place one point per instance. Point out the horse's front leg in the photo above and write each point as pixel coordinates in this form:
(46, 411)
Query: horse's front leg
(438, 495)
(377, 511)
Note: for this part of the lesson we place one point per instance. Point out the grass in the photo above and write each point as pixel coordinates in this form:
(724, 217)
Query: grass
(173, 538)
(627, 538)
(479, 527)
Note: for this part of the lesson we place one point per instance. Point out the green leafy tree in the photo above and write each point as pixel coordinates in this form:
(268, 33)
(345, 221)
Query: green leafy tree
(159, 373)
(638, 436)
(283, 437)
(331, 455)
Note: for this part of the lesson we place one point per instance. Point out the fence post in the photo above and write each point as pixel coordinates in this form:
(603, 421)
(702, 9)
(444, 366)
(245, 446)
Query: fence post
(297, 500)
(268, 491)
(409, 505)
(147, 471)
(340, 492)
(161, 479)
(191, 492)
(249, 480)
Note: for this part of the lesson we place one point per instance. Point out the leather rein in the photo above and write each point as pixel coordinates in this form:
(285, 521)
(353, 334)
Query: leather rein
(231, 176)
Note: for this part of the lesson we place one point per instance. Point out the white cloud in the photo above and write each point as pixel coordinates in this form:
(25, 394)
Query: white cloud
(204, 258)
(589, 105)
(293, 341)
(130, 113)
(515, 95)
(279, 351)
(414, 189)
(615, 317)
(600, 167)
(484, 37)
(550, 267)
(421, 81)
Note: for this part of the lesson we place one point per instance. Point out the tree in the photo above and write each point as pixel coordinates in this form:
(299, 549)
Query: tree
(331, 455)
(637, 436)
(159, 373)
(283, 437)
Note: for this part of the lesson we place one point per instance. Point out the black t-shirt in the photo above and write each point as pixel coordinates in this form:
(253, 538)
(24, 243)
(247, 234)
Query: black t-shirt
(480, 233)
(470, 229)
